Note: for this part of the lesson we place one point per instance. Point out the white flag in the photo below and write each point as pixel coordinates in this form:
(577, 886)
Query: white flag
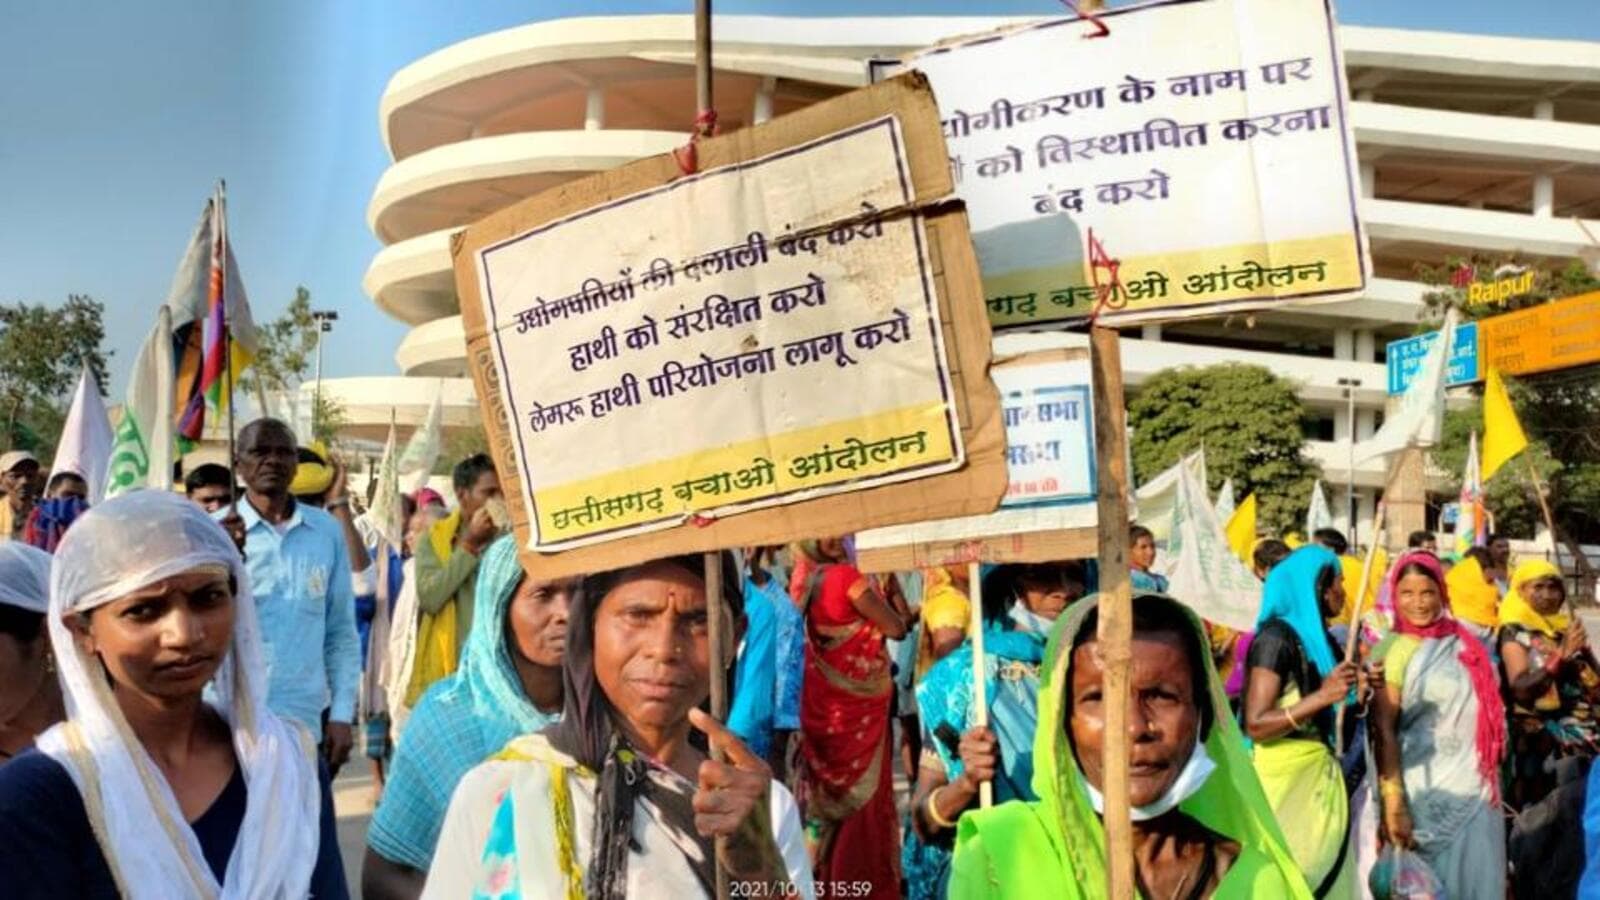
(1157, 496)
(1225, 501)
(422, 450)
(1318, 515)
(386, 514)
(85, 448)
(1420, 418)
(1204, 572)
(141, 452)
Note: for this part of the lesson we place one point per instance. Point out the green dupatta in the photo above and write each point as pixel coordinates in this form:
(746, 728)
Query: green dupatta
(1054, 848)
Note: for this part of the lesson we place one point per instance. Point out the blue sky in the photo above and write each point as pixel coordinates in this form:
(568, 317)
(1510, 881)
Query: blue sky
(116, 118)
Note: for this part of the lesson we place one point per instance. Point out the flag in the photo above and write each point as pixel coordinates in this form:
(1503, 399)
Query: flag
(422, 450)
(85, 447)
(1472, 526)
(385, 515)
(1157, 496)
(1199, 567)
(1318, 515)
(1225, 501)
(1420, 417)
(1502, 433)
(1241, 529)
(141, 451)
(212, 329)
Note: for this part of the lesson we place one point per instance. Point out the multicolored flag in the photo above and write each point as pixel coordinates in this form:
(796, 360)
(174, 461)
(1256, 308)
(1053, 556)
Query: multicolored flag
(213, 335)
(1472, 520)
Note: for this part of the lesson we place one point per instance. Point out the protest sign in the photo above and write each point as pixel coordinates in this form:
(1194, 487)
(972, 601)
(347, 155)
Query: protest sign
(1206, 145)
(789, 336)
(1048, 512)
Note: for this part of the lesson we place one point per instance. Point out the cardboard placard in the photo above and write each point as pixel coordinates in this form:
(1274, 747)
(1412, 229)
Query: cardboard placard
(788, 343)
(1049, 512)
(1230, 113)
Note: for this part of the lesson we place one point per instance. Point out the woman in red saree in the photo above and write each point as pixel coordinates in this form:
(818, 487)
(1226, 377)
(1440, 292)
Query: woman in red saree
(846, 788)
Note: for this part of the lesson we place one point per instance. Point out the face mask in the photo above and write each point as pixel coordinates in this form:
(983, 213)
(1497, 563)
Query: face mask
(1189, 781)
(1027, 620)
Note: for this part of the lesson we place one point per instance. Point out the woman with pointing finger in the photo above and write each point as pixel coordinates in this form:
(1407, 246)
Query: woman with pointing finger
(622, 798)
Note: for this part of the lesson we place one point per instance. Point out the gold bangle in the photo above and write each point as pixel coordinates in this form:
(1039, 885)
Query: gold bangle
(1391, 787)
(933, 809)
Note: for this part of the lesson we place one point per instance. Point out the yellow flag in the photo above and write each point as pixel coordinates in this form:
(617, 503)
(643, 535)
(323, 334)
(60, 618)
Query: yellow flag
(1502, 433)
(1241, 529)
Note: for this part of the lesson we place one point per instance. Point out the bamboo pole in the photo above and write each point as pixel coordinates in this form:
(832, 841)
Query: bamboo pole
(1380, 528)
(980, 693)
(1550, 522)
(717, 621)
(1115, 632)
(220, 241)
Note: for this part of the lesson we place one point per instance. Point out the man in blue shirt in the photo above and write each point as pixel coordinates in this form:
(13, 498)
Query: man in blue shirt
(300, 574)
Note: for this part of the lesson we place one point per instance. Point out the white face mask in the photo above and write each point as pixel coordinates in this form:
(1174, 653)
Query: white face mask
(1029, 620)
(1189, 781)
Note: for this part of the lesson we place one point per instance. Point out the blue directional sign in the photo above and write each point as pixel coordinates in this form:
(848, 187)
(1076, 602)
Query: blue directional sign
(1405, 358)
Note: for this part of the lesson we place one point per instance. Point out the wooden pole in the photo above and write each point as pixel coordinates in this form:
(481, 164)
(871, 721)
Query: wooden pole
(1550, 523)
(1115, 633)
(702, 55)
(980, 693)
(717, 621)
(1380, 527)
(219, 223)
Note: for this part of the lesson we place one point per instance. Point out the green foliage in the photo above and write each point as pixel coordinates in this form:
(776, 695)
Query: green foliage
(460, 443)
(1249, 421)
(286, 359)
(1559, 411)
(42, 350)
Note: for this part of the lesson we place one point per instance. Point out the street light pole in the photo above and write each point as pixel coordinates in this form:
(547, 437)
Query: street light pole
(324, 319)
(1350, 385)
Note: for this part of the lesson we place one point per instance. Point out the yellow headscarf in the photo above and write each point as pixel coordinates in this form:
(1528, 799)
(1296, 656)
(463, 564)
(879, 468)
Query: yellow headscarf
(1514, 610)
(943, 606)
(312, 477)
(1472, 599)
(1350, 571)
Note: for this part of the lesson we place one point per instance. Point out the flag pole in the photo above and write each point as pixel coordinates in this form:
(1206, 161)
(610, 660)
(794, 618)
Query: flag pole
(980, 694)
(221, 250)
(1380, 528)
(1550, 522)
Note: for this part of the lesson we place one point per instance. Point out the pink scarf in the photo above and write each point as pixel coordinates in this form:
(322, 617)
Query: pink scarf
(1491, 730)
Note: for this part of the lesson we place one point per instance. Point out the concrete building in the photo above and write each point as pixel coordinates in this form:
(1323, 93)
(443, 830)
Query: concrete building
(1466, 144)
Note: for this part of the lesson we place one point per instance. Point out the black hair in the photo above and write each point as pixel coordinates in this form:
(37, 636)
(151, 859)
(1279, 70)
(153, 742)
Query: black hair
(1269, 553)
(207, 475)
(1139, 531)
(1003, 584)
(1417, 538)
(1155, 613)
(24, 625)
(1333, 539)
(467, 472)
(59, 477)
(595, 587)
(1329, 574)
(1481, 554)
(1496, 537)
(251, 430)
(1416, 568)
(307, 455)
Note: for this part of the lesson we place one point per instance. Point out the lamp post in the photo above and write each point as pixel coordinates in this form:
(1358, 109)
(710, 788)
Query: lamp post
(1349, 385)
(324, 319)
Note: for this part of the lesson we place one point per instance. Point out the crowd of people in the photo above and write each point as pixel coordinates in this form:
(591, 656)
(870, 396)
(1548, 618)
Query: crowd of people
(182, 675)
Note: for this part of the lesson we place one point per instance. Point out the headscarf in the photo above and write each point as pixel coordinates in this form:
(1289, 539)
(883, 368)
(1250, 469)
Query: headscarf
(1290, 595)
(943, 606)
(1472, 597)
(1490, 734)
(313, 475)
(125, 544)
(24, 577)
(465, 718)
(427, 496)
(1350, 571)
(1516, 610)
(587, 732)
(50, 519)
(1230, 802)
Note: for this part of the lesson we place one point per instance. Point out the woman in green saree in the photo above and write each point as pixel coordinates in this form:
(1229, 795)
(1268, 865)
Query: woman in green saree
(1202, 827)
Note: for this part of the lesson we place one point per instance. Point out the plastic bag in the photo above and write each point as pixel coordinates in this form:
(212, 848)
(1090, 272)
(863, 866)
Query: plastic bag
(1400, 874)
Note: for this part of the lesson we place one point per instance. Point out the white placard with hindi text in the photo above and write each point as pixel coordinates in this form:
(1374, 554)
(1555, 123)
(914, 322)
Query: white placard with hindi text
(751, 335)
(1204, 143)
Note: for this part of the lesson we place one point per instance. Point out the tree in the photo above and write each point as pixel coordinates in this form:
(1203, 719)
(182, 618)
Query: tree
(1250, 423)
(1560, 411)
(42, 350)
(285, 359)
(459, 444)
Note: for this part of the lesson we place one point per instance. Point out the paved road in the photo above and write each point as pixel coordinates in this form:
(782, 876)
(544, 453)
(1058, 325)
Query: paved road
(353, 797)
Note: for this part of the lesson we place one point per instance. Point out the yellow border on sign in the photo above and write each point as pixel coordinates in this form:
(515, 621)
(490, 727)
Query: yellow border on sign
(1339, 253)
(761, 469)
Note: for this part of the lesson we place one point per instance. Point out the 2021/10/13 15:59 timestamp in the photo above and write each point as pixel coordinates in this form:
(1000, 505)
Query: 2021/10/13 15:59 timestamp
(824, 890)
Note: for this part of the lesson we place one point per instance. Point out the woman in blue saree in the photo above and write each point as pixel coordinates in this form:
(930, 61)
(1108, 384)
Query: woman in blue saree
(1020, 604)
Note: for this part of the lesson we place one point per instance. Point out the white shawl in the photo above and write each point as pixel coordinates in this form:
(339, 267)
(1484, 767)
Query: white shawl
(118, 547)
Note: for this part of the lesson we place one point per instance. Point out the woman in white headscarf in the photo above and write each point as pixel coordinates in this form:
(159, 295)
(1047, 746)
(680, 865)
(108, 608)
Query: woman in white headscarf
(30, 696)
(150, 789)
